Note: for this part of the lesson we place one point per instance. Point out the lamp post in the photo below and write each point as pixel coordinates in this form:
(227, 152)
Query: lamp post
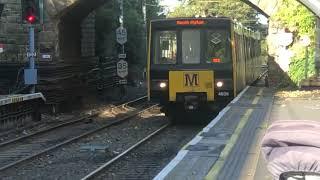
(305, 42)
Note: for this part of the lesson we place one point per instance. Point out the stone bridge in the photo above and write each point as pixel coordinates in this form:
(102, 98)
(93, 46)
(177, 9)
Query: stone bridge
(66, 33)
(69, 18)
(65, 45)
(67, 37)
(68, 29)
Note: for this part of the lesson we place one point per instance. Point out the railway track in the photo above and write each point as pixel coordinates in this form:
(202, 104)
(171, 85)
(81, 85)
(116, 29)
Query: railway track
(100, 170)
(28, 147)
(148, 156)
(68, 122)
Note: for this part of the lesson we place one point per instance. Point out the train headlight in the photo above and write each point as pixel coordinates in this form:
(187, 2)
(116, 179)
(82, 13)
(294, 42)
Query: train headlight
(163, 85)
(219, 84)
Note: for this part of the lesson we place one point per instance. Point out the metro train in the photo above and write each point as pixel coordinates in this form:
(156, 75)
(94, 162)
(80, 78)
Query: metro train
(197, 64)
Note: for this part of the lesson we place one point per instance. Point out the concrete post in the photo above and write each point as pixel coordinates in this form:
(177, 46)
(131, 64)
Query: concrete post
(317, 48)
(32, 55)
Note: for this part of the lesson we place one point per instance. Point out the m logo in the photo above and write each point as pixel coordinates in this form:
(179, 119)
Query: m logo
(191, 79)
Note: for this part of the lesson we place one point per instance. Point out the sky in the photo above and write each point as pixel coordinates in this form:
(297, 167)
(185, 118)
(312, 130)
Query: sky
(169, 3)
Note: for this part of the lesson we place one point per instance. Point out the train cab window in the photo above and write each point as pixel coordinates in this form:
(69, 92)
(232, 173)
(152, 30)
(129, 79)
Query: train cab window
(191, 47)
(165, 44)
(218, 47)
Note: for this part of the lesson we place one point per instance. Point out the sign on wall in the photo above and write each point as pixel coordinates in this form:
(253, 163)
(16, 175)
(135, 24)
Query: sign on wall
(1, 48)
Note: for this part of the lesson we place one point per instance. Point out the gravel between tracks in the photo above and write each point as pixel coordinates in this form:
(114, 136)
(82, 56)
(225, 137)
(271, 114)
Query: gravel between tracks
(70, 162)
(148, 159)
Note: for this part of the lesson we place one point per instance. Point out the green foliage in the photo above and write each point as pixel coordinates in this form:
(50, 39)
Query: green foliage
(230, 8)
(299, 20)
(297, 65)
(296, 17)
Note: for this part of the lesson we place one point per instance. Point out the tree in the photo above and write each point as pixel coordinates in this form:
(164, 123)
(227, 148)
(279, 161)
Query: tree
(295, 17)
(107, 22)
(231, 8)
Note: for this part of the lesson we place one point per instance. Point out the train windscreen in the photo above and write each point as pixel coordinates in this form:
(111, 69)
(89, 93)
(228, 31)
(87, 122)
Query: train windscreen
(197, 46)
(218, 46)
(191, 51)
(165, 44)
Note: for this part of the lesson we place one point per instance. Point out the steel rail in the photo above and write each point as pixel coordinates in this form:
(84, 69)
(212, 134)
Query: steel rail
(113, 160)
(117, 121)
(67, 123)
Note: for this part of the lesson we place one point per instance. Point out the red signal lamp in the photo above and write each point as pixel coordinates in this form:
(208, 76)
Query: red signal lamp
(31, 18)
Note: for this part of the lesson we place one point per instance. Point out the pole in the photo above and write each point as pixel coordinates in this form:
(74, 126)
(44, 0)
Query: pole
(121, 20)
(317, 55)
(31, 55)
(306, 65)
(145, 35)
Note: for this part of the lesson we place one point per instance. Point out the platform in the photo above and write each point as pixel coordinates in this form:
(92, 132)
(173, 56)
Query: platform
(289, 108)
(228, 148)
(19, 109)
(15, 98)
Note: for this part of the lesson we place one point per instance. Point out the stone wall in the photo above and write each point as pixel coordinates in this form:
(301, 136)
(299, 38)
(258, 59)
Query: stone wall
(14, 35)
(88, 36)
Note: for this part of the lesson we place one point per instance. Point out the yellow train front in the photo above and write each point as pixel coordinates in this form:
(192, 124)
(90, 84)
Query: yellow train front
(200, 64)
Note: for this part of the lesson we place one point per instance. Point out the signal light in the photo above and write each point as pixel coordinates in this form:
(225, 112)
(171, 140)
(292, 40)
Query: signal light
(30, 11)
(31, 18)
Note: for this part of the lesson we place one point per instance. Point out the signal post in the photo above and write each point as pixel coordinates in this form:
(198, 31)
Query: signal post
(30, 16)
(121, 36)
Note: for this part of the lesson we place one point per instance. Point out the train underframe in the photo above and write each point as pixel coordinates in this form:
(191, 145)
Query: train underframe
(193, 107)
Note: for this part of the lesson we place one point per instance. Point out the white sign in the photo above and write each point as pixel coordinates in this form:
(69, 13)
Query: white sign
(122, 68)
(121, 33)
(46, 56)
(123, 81)
(31, 54)
(1, 48)
(122, 56)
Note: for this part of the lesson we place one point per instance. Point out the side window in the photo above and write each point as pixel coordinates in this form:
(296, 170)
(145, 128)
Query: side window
(165, 44)
(191, 47)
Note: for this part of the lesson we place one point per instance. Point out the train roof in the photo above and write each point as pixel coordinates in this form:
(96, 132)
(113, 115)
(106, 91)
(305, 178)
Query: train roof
(193, 18)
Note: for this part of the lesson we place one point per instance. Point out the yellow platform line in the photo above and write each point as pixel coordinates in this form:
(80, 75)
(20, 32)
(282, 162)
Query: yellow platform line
(250, 166)
(215, 170)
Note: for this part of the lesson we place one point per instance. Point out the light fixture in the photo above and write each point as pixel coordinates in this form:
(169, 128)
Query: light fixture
(163, 85)
(219, 84)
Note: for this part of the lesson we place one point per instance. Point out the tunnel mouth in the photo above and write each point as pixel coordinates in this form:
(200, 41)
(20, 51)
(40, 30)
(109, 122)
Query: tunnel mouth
(69, 39)
(70, 30)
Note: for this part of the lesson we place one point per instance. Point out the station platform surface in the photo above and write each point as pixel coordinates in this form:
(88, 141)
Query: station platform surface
(228, 148)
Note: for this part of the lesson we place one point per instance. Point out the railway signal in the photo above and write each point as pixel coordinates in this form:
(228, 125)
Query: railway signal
(30, 11)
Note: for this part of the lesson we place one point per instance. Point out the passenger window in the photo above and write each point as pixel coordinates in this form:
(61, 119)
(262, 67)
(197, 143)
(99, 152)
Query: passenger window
(191, 47)
(165, 47)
